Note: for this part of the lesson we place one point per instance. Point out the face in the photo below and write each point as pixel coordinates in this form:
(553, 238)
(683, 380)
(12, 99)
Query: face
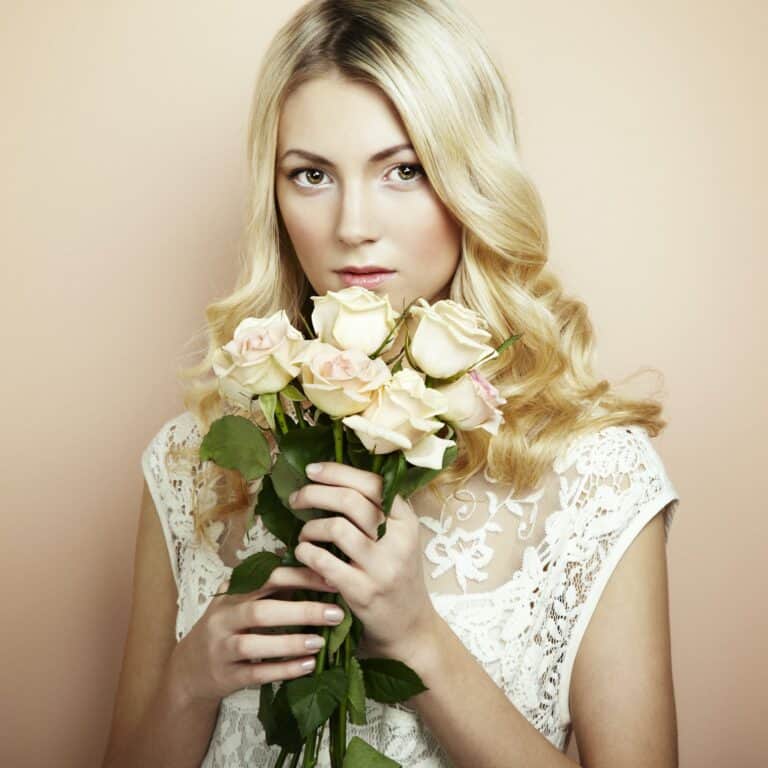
(347, 203)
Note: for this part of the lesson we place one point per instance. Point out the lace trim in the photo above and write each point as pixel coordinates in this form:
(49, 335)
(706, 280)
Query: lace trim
(525, 633)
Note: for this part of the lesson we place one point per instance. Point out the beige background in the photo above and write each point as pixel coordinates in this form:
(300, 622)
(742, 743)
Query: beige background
(122, 157)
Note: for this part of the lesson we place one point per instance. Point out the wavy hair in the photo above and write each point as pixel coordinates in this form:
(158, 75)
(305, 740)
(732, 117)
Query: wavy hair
(430, 59)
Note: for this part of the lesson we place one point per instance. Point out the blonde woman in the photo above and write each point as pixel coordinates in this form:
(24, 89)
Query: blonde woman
(527, 587)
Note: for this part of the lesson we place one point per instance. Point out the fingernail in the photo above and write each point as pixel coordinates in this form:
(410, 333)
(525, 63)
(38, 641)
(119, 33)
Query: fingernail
(314, 642)
(292, 497)
(334, 614)
(312, 469)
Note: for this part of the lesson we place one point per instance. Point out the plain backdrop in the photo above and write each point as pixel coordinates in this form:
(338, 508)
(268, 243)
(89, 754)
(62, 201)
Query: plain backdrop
(122, 181)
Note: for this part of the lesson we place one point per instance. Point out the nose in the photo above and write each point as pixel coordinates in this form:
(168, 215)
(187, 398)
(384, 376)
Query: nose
(356, 217)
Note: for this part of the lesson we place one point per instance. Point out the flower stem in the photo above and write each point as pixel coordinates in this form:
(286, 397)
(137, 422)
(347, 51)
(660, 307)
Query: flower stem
(338, 440)
(280, 415)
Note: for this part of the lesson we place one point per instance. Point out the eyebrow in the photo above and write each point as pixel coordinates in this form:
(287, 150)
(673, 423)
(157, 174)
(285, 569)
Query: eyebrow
(382, 155)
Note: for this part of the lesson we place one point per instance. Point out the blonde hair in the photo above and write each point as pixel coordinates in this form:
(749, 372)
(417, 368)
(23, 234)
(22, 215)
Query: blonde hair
(430, 60)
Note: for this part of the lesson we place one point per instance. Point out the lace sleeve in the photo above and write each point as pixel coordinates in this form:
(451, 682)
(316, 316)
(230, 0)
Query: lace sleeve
(168, 491)
(619, 485)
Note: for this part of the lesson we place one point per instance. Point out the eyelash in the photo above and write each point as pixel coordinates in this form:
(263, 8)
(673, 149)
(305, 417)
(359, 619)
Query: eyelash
(293, 174)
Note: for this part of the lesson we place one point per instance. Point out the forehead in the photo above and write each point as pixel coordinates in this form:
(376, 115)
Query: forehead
(330, 113)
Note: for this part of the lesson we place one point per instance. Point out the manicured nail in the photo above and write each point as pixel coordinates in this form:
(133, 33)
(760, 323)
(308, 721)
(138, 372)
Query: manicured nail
(292, 497)
(334, 614)
(312, 469)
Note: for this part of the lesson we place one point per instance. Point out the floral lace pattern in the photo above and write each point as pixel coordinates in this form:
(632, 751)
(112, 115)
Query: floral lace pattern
(525, 632)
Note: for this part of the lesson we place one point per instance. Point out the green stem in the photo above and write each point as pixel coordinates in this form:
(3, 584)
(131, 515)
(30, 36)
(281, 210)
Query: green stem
(378, 459)
(295, 760)
(343, 708)
(338, 440)
(280, 415)
(309, 744)
(281, 759)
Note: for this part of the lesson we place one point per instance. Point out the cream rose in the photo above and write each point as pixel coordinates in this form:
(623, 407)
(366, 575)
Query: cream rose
(340, 381)
(472, 402)
(353, 318)
(400, 417)
(259, 358)
(448, 338)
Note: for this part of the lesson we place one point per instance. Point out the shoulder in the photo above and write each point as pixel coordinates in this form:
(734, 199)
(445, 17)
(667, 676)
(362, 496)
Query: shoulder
(614, 485)
(616, 473)
(169, 466)
(179, 430)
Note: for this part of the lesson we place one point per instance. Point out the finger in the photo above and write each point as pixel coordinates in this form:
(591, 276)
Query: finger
(347, 537)
(255, 647)
(285, 578)
(344, 499)
(245, 673)
(299, 577)
(277, 613)
(351, 576)
(368, 484)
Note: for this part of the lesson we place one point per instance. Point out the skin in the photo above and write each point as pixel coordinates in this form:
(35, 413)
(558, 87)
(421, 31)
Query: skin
(169, 693)
(357, 211)
(358, 215)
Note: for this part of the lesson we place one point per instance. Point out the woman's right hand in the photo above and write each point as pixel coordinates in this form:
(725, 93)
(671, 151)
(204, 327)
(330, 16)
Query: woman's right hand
(219, 655)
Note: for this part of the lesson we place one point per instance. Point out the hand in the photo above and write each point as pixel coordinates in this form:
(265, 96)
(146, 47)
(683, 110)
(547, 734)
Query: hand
(216, 657)
(383, 583)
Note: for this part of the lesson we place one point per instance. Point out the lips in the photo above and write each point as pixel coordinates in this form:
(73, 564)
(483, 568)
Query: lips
(368, 277)
(373, 269)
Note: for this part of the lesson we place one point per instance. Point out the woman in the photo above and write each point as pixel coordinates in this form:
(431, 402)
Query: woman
(382, 135)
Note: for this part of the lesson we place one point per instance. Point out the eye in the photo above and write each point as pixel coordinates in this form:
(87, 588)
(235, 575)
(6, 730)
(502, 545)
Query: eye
(411, 167)
(293, 174)
(315, 174)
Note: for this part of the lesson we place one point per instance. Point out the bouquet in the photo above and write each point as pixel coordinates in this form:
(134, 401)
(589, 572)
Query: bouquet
(349, 394)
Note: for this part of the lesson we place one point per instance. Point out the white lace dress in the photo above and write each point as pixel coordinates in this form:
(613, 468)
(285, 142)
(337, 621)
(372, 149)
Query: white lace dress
(516, 578)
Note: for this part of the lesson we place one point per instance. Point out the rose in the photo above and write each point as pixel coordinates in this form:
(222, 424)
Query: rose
(353, 318)
(449, 338)
(259, 358)
(340, 382)
(400, 417)
(471, 403)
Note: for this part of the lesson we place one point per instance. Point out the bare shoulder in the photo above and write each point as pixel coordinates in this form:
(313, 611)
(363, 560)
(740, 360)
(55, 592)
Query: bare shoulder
(151, 630)
(621, 696)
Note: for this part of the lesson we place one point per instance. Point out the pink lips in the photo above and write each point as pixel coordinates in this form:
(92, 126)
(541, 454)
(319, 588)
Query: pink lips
(368, 279)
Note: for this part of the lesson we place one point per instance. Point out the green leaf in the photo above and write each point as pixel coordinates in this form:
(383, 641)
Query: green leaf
(298, 448)
(237, 443)
(507, 342)
(252, 573)
(292, 393)
(339, 632)
(280, 726)
(392, 473)
(360, 754)
(390, 680)
(416, 477)
(356, 693)
(277, 518)
(268, 403)
(313, 699)
(359, 456)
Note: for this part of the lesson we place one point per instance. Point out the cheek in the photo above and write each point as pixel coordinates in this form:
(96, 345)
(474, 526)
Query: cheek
(431, 233)
(304, 225)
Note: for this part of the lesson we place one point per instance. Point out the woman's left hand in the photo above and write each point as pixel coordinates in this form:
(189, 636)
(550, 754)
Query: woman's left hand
(383, 583)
